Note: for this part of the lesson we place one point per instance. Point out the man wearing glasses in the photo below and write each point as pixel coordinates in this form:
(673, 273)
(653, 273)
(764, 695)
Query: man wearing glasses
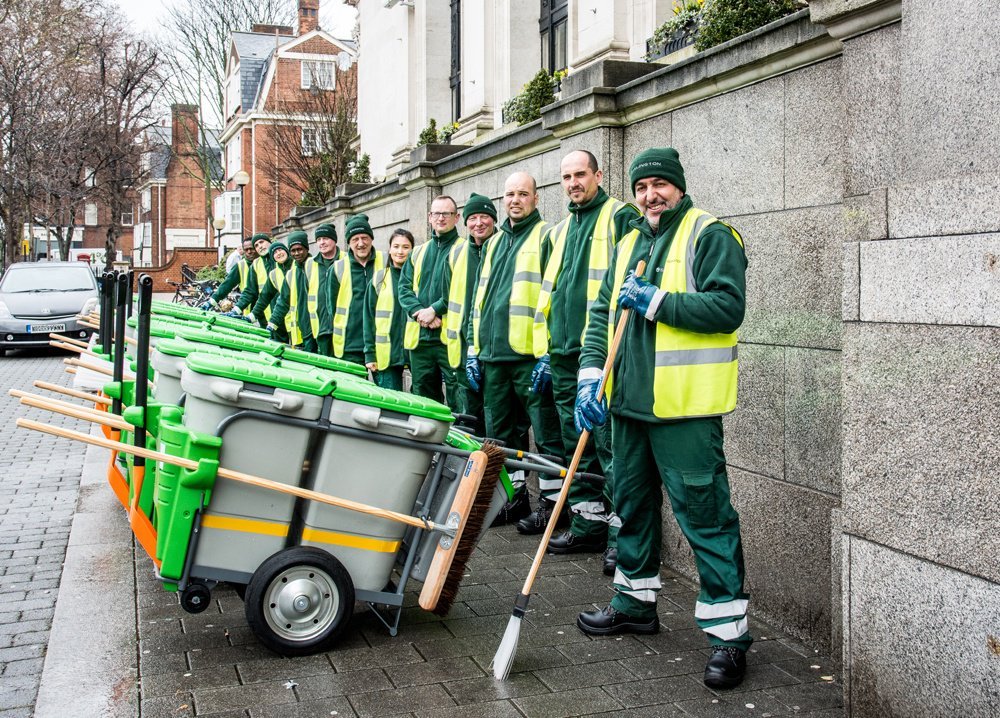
(424, 285)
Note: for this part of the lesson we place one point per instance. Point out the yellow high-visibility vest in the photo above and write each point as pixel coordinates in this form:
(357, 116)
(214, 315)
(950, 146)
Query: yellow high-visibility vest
(601, 246)
(385, 305)
(411, 333)
(277, 278)
(259, 269)
(244, 270)
(452, 325)
(694, 374)
(342, 309)
(524, 291)
(311, 269)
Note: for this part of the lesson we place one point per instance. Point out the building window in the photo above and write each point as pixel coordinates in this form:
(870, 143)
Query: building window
(90, 215)
(318, 74)
(234, 220)
(234, 155)
(147, 200)
(313, 141)
(456, 60)
(126, 218)
(552, 25)
(233, 100)
(89, 177)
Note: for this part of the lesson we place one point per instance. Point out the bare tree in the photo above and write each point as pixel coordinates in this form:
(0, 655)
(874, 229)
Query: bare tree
(314, 164)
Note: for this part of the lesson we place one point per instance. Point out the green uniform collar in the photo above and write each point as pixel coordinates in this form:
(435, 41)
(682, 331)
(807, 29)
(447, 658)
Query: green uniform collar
(668, 220)
(523, 227)
(446, 238)
(596, 202)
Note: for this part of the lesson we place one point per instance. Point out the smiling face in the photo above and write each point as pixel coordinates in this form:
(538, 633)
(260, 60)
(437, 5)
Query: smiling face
(280, 255)
(580, 180)
(249, 252)
(299, 253)
(443, 215)
(654, 196)
(327, 246)
(520, 196)
(261, 246)
(481, 226)
(400, 247)
(361, 246)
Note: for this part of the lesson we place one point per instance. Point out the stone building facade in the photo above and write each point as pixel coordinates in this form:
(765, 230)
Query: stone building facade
(856, 148)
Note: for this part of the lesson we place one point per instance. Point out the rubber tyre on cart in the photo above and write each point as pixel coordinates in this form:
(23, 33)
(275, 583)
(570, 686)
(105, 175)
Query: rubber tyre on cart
(299, 601)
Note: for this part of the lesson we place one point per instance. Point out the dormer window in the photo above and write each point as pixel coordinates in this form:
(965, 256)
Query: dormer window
(318, 74)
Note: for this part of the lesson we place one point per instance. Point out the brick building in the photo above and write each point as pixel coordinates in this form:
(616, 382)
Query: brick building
(173, 203)
(278, 81)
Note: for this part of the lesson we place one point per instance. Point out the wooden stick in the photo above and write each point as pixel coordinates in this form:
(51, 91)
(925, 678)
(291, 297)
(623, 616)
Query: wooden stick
(69, 340)
(75, 393)
(239, 476)
(75, 411)
(91, 367)
(70, 370)
(74, 348)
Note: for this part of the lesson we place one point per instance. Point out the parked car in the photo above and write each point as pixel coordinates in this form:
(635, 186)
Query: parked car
(41, 297)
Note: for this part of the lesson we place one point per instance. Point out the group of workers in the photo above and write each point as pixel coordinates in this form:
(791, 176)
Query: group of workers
(513, 324)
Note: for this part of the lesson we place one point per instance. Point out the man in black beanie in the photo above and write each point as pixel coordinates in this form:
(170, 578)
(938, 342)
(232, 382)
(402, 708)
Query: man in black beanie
(671, 384)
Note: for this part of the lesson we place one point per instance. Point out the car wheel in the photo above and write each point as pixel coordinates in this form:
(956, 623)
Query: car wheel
(299, 601)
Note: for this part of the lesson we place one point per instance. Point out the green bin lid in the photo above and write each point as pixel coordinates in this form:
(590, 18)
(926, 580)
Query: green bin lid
(364, 392)
(322, 362)
(178, 311)
(257, 371)
(240, 325)
(179, 347)
(231, 341)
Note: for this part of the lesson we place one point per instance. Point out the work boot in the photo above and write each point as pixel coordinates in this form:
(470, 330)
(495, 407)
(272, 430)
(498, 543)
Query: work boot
(569, 542)
(608, 620)
(726, 667)
(515, 509)
(610, 560)
(537, 520)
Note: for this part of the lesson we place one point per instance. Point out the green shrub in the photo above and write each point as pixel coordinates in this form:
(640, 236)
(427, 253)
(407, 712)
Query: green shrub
(722, 20)
(686, 17)
(527, 106)
(362, 172)
(213, 272)
(428, 135)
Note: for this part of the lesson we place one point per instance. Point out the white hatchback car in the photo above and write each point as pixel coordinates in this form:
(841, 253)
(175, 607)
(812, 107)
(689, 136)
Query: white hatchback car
(41, 297)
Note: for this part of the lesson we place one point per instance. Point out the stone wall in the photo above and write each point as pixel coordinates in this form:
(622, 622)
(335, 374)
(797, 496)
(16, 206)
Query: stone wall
(857, 152)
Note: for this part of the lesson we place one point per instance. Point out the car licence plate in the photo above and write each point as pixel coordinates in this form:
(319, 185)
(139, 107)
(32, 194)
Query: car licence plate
(45, 328)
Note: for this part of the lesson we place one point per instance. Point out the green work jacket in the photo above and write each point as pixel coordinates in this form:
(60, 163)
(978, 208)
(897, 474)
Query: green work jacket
(397, 354)
(361, 279)
(435, 281)
(323, 307)
(250, 294)
(283, 302)
(270, 297)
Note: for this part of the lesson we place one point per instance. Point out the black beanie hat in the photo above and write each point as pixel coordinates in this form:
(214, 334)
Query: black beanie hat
(663, 162)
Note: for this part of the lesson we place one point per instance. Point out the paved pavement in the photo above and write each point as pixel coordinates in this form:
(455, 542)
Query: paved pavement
(39, 482)
(211, 665)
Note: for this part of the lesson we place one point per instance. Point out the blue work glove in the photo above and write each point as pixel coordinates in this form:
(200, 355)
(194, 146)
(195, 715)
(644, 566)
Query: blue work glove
(636, 293)
(272, 330)
(207, 306)
(541, 376)
(234, 312)
(474, 373)
(589, 412)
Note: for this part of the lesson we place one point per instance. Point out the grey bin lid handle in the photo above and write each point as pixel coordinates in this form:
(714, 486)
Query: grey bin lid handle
(373, 419)
(232, 392)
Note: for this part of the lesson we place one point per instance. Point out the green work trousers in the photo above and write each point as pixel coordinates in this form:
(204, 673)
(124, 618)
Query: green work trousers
(686, 457)
(591, 504)
(324, 345)
(308, 345)
(390, 378)
(429, 367)
(354, 357)
(507, 397)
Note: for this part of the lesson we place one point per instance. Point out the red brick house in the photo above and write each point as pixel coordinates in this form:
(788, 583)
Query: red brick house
(276, 80)
(173, 202)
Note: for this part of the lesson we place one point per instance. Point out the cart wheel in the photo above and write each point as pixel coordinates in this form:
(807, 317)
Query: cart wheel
(195, 598)
(299, 601)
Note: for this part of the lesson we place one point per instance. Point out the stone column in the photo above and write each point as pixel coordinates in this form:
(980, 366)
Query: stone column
(517, 49)
(598, 30)
(478, 80)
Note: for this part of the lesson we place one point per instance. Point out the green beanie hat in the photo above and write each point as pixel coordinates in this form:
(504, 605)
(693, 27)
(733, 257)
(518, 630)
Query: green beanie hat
(326, 230)
(298, 237)
(357, 224)
(275, 246)
(478, 204)
(663, 162)
(261, 235)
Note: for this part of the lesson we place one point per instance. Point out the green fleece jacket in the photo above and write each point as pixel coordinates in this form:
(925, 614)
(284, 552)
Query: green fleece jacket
(435, 281)
(397, 355)
(283, 302)
(569, 298)
(250, 293)
(231, 281)
(270, 296)
(361, 279)
(323, 311)
(718, 306)
(472, 281)
(494, 323)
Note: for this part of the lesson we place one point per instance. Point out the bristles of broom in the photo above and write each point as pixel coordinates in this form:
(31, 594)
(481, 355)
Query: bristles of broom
(495, 458)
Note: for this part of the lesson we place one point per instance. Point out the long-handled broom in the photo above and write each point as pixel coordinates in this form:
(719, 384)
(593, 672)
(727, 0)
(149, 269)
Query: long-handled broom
(504, 657)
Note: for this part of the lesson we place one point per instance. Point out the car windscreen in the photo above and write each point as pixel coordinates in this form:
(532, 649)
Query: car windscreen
(48, 279)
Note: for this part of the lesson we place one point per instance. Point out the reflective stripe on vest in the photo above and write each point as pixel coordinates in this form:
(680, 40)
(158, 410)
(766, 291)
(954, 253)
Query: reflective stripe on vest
(411, 334)
(601, 246)
(277, 278)
(524, 291)
(694, 374)
(342, 309)
(385, 304)
(311, 269)
(451, 327)
(259, 269)
(244, 270)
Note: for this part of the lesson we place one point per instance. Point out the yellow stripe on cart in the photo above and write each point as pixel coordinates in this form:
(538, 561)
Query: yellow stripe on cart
(350, 540)
(251, 526)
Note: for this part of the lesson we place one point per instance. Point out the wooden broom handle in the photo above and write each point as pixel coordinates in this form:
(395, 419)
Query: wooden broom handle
(73, 410)
(581, 446)
(75, 393)
(73, 348)
(68, 340)
(229, 474)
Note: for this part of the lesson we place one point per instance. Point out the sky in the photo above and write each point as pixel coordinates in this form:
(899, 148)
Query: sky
(146, 15)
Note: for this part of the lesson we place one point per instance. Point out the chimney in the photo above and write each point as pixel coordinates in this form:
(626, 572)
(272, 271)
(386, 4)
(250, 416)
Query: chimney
(264, 29)
(184, 129)
(308, 16)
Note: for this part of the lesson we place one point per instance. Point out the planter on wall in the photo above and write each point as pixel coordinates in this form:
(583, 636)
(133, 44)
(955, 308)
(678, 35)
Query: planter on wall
(682, 38)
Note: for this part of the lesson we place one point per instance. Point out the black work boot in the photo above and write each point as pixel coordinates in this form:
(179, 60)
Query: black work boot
(569, 542)
(610, 561)
(608, 620)
(515, 509)
(537, 520)
(726, 667)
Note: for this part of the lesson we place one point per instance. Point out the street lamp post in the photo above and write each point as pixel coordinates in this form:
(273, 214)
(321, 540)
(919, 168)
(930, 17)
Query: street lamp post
(219, 223)
(242, 179)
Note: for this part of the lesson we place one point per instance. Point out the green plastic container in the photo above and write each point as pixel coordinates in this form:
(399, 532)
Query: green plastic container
(323, 362)
(167, 359)
(229, 340)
